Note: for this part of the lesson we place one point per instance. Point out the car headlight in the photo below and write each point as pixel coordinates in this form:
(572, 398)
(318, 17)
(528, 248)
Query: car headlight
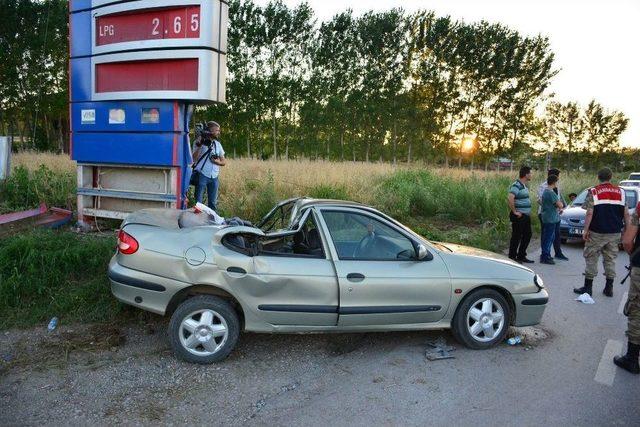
(538, 281)
(564, 221)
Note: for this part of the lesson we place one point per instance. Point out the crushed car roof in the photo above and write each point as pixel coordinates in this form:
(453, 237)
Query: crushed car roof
(307, 201)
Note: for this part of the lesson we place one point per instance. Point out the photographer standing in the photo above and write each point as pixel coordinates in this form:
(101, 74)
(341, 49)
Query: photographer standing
(208, 156)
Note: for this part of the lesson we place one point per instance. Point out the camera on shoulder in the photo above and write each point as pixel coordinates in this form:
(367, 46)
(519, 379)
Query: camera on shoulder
(206, 137)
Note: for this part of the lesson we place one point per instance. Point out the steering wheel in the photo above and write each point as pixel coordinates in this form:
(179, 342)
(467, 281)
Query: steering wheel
(364, 244)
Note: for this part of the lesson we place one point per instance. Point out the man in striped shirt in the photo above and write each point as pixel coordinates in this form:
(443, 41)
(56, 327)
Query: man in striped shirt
(520, 216)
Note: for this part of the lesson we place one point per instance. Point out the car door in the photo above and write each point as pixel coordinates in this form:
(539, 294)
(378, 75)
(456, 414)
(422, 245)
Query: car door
(381, 280)
(297, 287)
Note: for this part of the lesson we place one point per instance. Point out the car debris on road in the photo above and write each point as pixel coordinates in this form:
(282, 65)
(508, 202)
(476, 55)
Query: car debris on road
(439, 350)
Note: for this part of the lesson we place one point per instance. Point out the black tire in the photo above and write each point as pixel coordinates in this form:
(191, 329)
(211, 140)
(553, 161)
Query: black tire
(563, 241)
(224, 313)
(460, 325)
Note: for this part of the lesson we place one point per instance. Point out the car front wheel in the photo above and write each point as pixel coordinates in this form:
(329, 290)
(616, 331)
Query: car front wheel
(204, 329)
(482, 319)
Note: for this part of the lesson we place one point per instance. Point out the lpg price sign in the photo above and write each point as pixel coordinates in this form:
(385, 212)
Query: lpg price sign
(146, 24)
(154, 24)
(157, 49)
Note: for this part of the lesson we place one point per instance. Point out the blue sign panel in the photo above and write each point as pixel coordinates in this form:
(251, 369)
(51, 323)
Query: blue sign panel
(145, 149)
(128, 116)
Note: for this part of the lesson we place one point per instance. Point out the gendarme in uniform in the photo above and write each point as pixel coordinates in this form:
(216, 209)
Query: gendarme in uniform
(602, 235)
(632, 307)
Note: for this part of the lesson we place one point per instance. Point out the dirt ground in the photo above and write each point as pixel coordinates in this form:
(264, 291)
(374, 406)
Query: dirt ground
(107, 374)
(126, 374)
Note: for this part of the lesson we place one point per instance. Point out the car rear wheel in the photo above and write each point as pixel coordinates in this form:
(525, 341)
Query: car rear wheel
(482, 319)
(204, 329)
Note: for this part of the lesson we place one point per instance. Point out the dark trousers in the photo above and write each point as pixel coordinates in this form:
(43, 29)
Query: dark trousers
(548, 234)
(557, 244)
(520, 236)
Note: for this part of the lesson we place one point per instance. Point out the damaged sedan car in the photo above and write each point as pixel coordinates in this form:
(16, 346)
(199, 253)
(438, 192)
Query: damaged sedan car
(313, 266)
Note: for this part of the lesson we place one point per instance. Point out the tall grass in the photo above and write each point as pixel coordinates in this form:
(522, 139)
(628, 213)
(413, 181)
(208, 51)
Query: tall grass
(47, 273)
(249, 188)
(25, 189)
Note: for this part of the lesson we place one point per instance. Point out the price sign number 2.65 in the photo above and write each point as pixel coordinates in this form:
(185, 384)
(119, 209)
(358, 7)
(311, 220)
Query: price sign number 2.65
(194, 25)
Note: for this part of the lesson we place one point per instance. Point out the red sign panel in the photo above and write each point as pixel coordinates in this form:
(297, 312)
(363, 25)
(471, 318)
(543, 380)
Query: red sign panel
(148, 24)
(165, 74)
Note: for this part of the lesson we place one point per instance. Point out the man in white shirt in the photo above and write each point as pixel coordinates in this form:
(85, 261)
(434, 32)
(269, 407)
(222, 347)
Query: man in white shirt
(557, 244)
(208, 169)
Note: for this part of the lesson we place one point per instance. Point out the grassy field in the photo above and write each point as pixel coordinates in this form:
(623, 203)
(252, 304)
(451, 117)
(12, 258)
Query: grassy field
(447, 204)
(39, 270)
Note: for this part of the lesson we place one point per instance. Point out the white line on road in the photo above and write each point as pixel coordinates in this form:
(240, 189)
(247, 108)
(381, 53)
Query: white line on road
(606, 369)
(623, 302)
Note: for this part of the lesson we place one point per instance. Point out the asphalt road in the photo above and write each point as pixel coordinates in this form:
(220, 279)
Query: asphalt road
(562, 375)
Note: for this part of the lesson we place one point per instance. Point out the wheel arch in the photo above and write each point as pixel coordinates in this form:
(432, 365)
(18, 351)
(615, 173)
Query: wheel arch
(195, 290)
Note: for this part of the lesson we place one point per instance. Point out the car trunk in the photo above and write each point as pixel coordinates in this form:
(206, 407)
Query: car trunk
(165, 218)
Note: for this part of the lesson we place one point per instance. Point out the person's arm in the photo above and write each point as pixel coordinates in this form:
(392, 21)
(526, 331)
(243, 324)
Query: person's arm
(587, 222)
(627, 219)
(630, 232)
(196, 152)
(588, 206)
(564, 202)
(512, 205)
(221, 160)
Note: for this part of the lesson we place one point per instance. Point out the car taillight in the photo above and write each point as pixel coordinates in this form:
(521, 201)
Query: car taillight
(126, 243)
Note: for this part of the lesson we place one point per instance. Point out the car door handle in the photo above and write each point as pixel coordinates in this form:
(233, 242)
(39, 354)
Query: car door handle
(236, 270)
(355, 277)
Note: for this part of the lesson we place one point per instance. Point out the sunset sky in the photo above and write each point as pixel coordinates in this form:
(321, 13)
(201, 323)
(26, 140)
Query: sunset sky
(595, 42)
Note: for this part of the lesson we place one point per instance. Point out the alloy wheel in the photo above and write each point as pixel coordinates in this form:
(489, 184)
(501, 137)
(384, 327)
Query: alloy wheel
(203, 332)
(485, 319)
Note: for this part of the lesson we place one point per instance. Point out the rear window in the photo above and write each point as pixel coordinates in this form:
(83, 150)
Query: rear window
(634, 176)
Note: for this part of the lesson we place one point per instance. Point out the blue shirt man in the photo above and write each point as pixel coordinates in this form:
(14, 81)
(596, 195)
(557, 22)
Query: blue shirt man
(557, 240)
(550, 204)
(208, 168)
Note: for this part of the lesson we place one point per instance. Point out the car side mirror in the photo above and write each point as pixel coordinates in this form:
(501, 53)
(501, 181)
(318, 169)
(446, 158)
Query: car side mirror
(423, 253)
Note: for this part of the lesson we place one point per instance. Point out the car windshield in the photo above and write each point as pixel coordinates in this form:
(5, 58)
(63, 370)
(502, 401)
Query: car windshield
(630, 195)
(579, 201)
(630, 183)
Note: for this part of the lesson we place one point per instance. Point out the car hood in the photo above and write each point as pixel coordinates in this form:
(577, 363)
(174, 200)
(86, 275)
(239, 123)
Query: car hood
(574, 212)
(480, 253)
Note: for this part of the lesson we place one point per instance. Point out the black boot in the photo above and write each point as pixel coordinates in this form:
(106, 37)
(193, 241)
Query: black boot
(588, 285)
(608, 288)
(629, 362)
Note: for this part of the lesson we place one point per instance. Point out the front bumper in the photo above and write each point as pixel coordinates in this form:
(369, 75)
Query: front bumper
(530, 307)
(142, 290)
(571, 231)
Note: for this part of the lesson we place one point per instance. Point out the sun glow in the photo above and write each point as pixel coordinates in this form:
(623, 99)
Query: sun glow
(468, 145)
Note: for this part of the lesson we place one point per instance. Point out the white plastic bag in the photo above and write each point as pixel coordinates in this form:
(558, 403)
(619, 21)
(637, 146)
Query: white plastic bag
(218, 220)
(585, 299)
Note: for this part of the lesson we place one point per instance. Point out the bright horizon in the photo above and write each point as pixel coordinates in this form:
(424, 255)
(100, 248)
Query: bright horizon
(593, 42)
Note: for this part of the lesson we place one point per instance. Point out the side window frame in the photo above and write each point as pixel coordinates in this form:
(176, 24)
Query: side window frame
(303, 219)
(378, 218)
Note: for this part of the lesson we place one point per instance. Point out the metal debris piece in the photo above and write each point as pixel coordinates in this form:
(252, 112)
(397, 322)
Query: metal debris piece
(439, 350)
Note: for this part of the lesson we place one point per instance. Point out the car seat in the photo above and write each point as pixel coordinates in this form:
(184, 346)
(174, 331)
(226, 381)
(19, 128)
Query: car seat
(314, 242)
